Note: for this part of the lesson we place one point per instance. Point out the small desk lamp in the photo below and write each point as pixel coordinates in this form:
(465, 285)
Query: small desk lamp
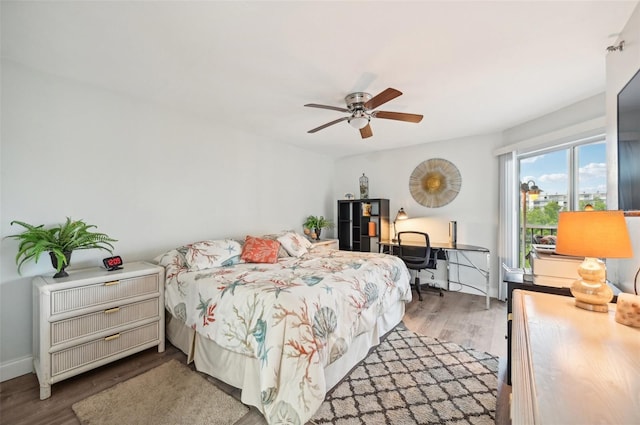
(400, 216)
(594, 235)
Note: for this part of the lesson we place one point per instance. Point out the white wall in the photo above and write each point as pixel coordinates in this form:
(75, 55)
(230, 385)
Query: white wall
(146, 175)
(555, 123)
(475, 208)
(621, 66)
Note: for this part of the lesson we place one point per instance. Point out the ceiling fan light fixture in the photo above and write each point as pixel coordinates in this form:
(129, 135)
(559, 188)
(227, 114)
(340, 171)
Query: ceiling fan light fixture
(361, 107)
(358, 122)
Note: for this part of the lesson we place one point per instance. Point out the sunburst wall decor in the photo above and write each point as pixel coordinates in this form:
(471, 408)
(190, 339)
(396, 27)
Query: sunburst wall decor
(435, 182)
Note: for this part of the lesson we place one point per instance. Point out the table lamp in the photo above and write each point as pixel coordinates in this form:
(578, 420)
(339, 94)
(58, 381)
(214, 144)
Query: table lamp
(400, 216)
(594, 235)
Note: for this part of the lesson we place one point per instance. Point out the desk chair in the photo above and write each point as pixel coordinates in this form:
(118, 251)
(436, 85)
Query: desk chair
(415, 251)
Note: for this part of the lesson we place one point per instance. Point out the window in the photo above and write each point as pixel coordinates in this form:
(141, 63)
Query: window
(569, 178)
(591, 179)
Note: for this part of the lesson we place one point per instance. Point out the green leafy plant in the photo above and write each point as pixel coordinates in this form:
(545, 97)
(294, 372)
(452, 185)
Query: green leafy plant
(317, 222)
(60, 240)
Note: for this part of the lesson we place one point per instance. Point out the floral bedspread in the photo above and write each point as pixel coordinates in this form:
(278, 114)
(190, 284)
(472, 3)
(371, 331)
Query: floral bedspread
(296, 316)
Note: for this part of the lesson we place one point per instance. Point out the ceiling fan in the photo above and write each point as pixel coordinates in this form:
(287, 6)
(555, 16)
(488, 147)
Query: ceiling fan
(360, 106)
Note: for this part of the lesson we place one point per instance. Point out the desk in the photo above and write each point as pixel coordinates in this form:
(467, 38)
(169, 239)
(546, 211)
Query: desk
(389, 247)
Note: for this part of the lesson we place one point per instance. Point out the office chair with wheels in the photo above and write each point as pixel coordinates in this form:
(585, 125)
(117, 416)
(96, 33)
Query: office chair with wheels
(415, 251)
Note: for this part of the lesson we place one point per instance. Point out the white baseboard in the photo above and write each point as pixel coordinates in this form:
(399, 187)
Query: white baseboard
(15, 368)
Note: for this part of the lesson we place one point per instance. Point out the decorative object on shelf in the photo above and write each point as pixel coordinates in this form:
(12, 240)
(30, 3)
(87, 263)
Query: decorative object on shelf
(349, 196)
(628, 310)
(313, 226)
(401, 215)
(366, 210)
(372, 228)
(364, 187)
(60, 241)
(435, 182)
(594, 235)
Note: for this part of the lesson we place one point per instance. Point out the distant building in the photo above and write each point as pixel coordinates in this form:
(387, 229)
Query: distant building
(562, 201)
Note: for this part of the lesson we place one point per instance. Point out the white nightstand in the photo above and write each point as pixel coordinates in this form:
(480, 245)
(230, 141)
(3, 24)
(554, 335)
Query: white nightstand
(324, 244)
(93, 317)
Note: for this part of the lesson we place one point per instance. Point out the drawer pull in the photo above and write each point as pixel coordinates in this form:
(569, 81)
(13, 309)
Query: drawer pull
(113, 282)
(112, 337)
(112, 310)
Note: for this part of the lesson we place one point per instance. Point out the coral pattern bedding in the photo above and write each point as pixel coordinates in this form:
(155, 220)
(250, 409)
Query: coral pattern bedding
(296, 316)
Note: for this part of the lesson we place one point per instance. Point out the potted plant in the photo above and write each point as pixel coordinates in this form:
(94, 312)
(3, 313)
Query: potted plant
(313, 225)
(59, 241)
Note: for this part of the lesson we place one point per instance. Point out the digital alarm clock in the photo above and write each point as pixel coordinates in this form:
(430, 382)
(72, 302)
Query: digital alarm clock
(113, 263)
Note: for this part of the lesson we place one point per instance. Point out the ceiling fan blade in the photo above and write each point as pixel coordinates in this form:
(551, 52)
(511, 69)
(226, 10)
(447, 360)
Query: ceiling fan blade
(366, 131)
(399, 116)
(328, 124)
(381, 98)
(333, 108)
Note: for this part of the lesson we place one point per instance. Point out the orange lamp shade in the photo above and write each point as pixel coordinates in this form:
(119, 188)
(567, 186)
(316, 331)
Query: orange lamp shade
(598, 234)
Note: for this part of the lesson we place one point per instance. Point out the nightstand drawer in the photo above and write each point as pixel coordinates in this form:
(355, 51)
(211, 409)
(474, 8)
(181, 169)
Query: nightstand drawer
(68, 330)
(69, 300)
(325, 244)
(84, 354)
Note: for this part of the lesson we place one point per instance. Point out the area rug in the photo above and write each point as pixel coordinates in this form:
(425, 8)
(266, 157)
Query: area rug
(414, 379)
(168, 394)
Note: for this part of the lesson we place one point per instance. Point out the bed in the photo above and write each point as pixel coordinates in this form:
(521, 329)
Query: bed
(281, 321)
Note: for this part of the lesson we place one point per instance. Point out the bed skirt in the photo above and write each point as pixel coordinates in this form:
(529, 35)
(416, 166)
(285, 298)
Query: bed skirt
(241, 371)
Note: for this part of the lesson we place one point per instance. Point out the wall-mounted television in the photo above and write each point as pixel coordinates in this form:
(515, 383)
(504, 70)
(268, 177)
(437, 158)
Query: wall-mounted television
(629, 145)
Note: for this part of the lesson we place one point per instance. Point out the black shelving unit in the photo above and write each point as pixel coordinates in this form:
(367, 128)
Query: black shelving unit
(354, 217)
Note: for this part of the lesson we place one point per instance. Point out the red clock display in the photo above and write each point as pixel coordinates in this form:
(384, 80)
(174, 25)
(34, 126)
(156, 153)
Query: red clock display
(113, 263)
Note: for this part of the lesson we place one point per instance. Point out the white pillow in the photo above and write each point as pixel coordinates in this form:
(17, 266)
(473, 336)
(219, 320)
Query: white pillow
(214, 253)
(282, 253)
(294, 243)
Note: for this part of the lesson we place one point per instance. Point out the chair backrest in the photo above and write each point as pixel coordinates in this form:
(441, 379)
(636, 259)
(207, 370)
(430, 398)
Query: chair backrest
(415, 249)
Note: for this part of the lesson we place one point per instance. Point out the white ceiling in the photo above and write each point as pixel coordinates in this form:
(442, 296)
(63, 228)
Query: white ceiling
(470, 67)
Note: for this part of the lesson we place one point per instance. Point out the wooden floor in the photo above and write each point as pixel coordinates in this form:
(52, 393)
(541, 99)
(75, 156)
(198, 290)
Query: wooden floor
(456, 317)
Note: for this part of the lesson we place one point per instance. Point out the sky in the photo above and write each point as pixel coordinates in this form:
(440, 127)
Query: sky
(550, 171)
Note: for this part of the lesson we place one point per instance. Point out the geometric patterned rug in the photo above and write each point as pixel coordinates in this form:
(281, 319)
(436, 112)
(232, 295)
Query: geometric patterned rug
(415, 379)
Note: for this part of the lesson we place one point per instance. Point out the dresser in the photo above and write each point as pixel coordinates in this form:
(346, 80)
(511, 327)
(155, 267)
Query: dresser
(93, 317)
(572, 366)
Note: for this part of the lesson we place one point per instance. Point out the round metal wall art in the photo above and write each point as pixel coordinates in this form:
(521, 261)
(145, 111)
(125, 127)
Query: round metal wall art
(435, 182)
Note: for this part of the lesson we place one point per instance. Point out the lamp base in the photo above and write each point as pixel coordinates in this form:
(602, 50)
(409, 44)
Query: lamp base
(601, 308)
(592, 292)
